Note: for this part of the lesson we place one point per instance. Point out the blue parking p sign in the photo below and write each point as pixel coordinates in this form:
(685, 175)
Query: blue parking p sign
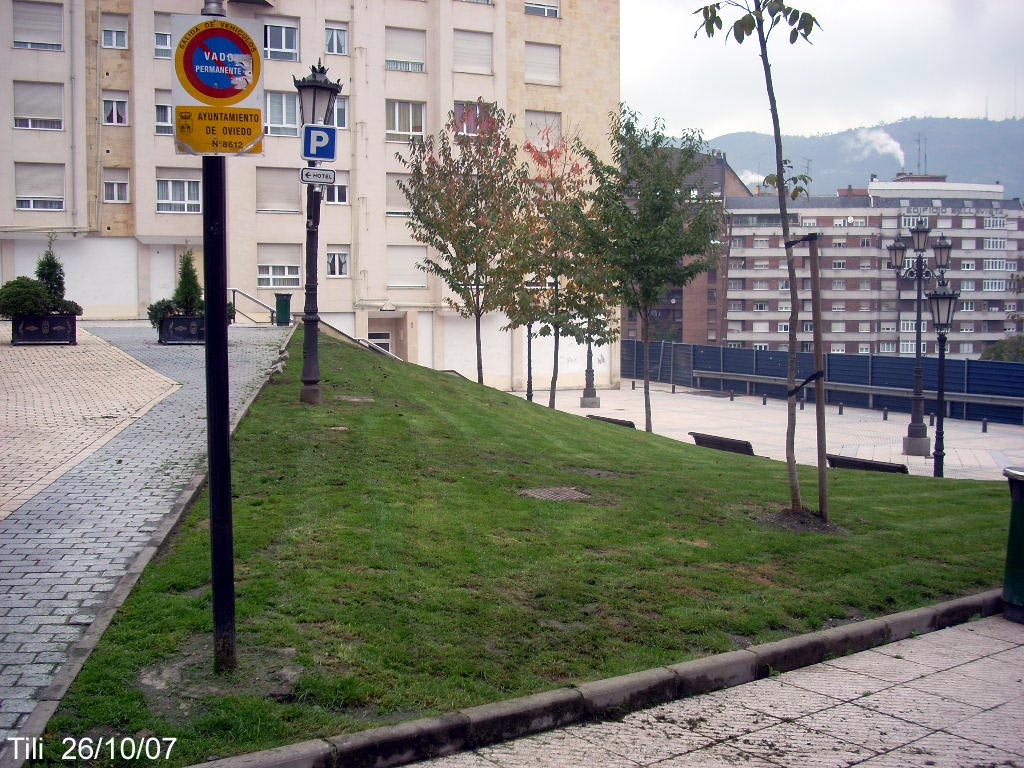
(319, 142)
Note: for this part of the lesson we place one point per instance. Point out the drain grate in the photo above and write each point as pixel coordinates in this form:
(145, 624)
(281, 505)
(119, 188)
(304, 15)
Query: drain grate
(557, 493)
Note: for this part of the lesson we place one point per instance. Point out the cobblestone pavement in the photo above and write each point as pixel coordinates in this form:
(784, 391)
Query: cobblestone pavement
(949, 699)
(63, 550)
(970, 453)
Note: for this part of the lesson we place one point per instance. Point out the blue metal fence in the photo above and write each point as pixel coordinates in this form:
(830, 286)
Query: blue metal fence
(673, 363)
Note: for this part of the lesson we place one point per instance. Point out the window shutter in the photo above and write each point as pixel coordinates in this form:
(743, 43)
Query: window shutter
(277, 189)
(402, 270)
(472, 52)
(405, 44)
(115, 174)
(115, 21)
(188, 174)
(395, 197)
(39, 180)
(38, 22)
(44, 100)
(162, 22)
(543, 63)
(543, 129)
(278, 253)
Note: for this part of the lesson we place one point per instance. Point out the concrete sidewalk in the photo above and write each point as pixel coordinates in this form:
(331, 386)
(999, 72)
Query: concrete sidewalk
(970, 453)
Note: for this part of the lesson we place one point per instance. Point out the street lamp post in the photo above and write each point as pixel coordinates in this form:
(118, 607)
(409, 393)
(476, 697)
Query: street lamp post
(316, 102)
(943, 301)
(916, 442)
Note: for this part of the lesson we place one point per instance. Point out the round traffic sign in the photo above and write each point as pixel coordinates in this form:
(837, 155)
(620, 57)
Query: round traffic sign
(218, 63)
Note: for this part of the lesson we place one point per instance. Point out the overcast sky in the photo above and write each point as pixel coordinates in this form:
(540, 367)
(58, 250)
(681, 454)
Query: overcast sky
(872, 61)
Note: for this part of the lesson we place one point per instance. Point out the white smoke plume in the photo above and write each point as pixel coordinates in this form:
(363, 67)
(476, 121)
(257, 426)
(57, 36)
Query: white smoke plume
(868, 140)
(752, 178)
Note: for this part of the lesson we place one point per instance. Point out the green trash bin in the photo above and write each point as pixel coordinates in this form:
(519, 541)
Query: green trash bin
(283, 312)
(1013, 583)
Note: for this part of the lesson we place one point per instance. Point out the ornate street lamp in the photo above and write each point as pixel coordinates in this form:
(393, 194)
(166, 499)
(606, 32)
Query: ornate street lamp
(943, 301)
(316, 99)
(916, 442)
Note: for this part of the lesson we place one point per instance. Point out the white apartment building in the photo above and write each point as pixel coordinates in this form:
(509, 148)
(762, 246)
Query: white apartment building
(865, 309)
(88, 152)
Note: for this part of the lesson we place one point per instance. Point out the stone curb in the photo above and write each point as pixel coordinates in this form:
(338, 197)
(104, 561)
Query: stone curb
(480, 726)
(35, 723)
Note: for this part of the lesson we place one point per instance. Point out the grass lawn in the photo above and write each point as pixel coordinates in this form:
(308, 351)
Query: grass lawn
(387, 567)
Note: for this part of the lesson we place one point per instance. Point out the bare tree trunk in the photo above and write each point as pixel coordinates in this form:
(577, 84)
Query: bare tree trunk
(644, 329)
(479, 353)
(554, 369)
(796, 503)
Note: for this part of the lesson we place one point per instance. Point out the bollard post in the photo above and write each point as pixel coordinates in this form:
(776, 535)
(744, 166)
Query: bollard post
(931, 419)
(885, 414)
(984, 425)
(673, 388)
(802, 404)
(633, 382)
(840, 409)
(732, 395)
(1013, 581)
(764, 399)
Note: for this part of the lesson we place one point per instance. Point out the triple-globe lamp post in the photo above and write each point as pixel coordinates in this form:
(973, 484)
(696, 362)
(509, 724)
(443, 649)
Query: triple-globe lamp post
(943, 302)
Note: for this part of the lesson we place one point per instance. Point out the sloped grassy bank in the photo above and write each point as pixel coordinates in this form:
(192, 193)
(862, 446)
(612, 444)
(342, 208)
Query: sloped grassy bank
(388, 567)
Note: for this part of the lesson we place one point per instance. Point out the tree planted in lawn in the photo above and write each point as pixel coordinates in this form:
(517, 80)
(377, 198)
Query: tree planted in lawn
(468, 195)
(759, 18)
(651, 223)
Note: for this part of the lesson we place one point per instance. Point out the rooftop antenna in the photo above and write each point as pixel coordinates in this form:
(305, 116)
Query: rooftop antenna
(926, 153)
(918, 140)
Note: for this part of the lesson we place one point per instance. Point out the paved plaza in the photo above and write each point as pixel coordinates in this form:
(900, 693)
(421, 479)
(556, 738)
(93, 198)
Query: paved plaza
(105, 436)
(970, 452)
(100, 440)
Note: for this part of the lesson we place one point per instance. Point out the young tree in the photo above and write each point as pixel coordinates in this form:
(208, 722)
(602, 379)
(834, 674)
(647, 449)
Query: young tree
(188, 295)
(759, 18)
(652, 223)
(467, 193)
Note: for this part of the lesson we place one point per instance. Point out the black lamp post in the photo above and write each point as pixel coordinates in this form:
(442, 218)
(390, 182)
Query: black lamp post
(316, 102)
(916, 442)
(943, 301)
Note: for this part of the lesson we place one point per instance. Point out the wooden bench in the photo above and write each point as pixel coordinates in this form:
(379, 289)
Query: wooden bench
(610, 420)
(722, 443)
(851, 462)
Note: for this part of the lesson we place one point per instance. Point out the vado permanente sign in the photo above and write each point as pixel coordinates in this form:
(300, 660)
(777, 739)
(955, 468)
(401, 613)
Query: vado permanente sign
(218, 91)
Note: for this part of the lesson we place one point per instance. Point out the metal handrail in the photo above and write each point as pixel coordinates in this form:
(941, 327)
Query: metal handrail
(370, 345)
(253, 299)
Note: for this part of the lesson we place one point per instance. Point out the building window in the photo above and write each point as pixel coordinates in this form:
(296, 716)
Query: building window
(115, 185)
(966, 266)
(994, 244)
(967, 285)
(863, 327)
(839, 264)
(340, 112)
(337, 193)
(909, 326)
(907, 347)
(966, 347)
(402, 261)
(809, 222)
(164, 115)
(886, 347)
(837, 243)
(838, 348)
(396, 203)
(761, 347)
(838, 285)
(887, 326)
(337, 38)
(808, 326)
(471, 52)
(738, 242)
(865, 285)
(115, 108)
(404, 120)
(39, 106)
(277, 276)
(39, 186)
(734, 284)
(282, 114)
(276, 191)
(162, 41)
(543, 64)
(115, 30)
(405, 50)
(761, 242)
(337, 260)
(783, 285)
(909, 221)
(865, 242)
(735, 306)
(760, 306)
(838, 327)
(863, 349)
(966, 327)
(993, 285)
(549, 9)
(543, 129)
(994, 264)
(468, 115)
(280, 42)
(38, 26)
(762, 285)
(785, 306)
(783, 327)
(760, 326)
(761, 264)
(179, 195)
(995, 222)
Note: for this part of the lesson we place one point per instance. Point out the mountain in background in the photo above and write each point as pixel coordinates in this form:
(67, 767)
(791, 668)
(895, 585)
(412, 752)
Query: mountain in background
(965, 150)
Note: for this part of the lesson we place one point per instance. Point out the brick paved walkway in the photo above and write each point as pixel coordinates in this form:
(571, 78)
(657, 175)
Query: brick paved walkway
(63, 550)
(948, 699)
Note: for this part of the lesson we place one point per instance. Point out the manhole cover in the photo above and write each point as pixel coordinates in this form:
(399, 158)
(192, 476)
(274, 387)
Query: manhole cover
(558, 493)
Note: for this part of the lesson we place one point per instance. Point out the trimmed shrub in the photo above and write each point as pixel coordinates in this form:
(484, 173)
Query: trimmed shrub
(24, 296)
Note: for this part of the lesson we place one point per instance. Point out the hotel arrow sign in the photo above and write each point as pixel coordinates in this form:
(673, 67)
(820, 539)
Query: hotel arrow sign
(316, 175)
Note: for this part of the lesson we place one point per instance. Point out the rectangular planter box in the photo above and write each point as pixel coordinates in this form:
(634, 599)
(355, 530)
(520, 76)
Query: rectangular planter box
(183, 329)
(44, 329)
